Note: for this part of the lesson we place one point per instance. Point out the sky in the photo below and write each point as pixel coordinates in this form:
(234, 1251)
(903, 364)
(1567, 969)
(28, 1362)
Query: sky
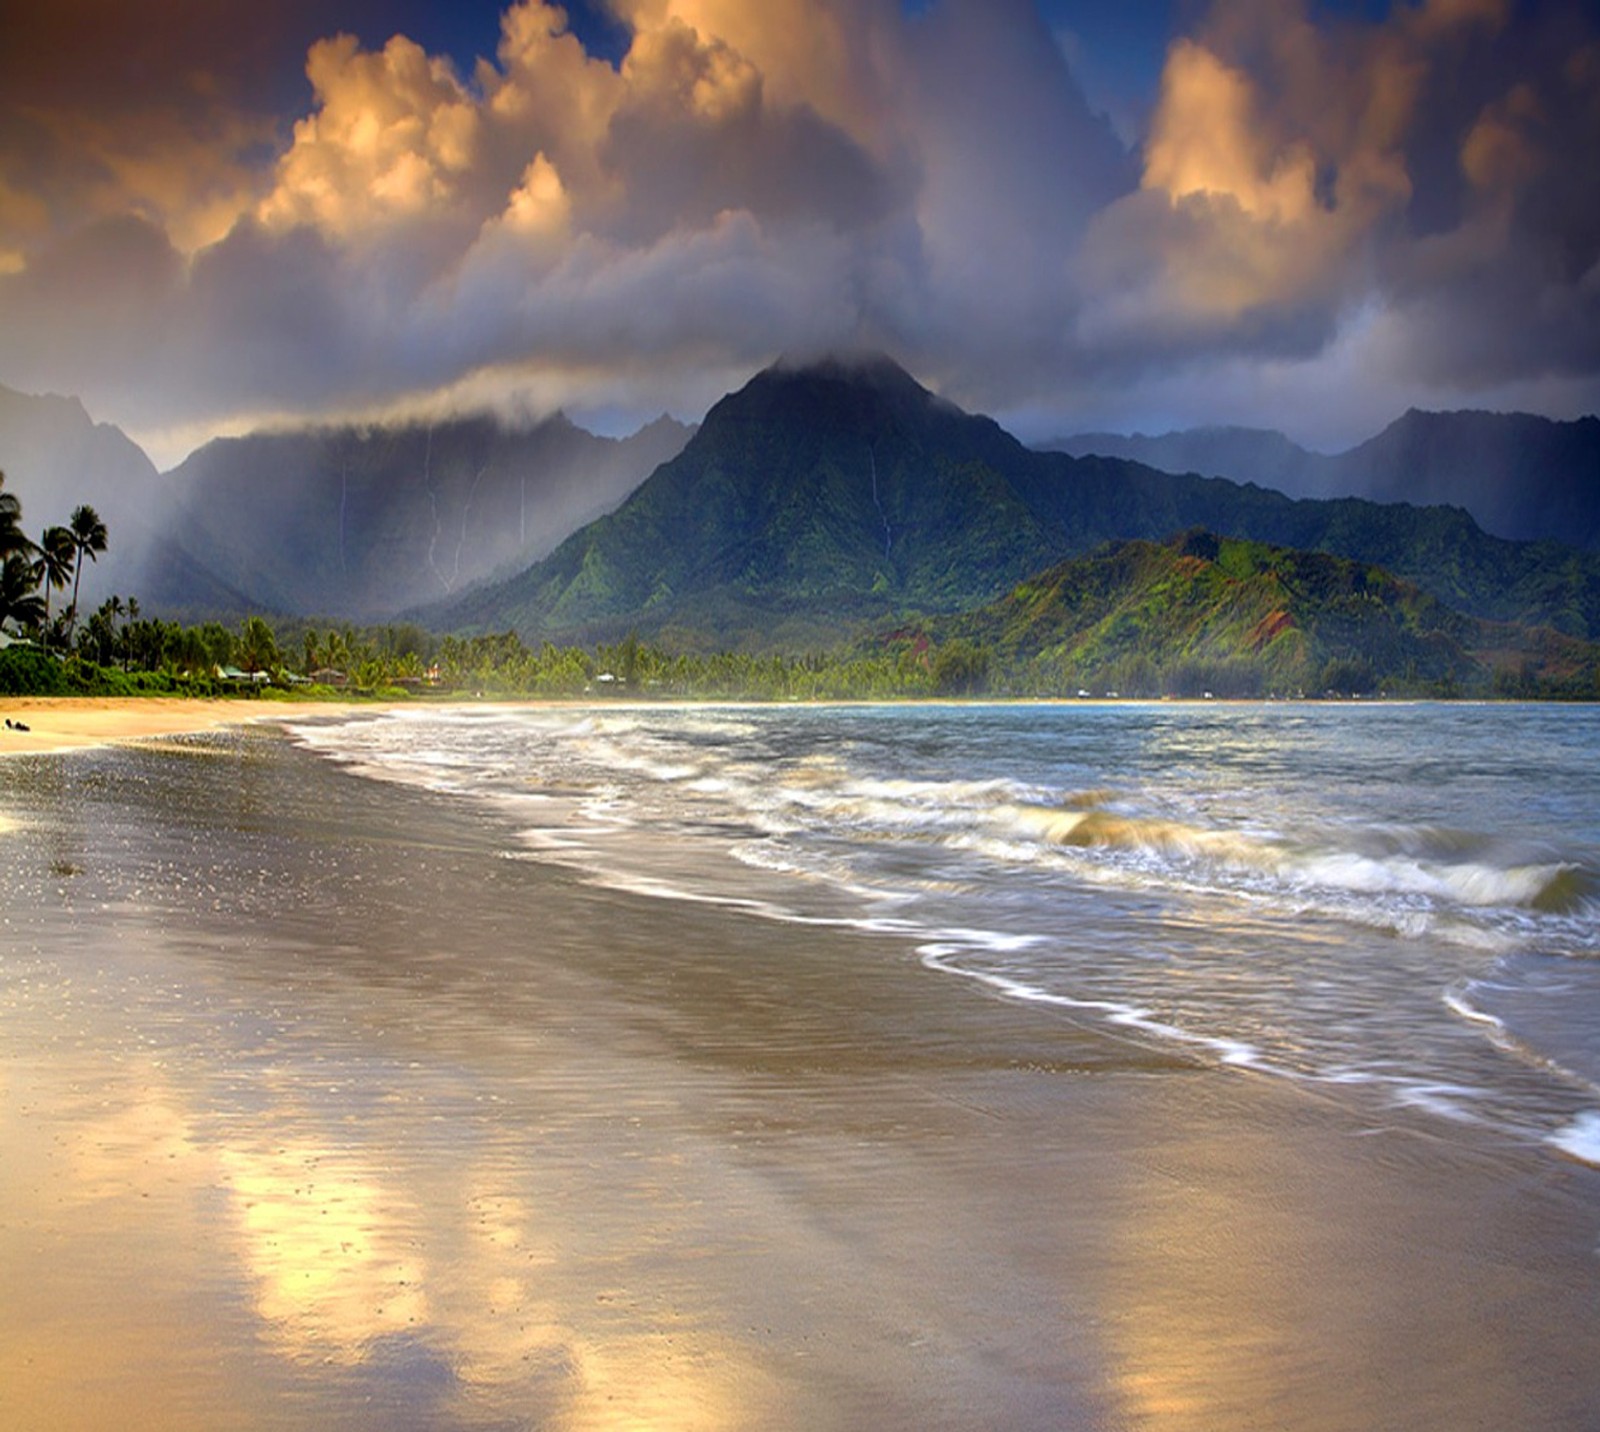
(1137, 216)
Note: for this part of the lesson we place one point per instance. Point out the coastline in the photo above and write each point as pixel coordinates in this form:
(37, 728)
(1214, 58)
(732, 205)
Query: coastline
(72, 723)
(75, 723)
(318, 1110)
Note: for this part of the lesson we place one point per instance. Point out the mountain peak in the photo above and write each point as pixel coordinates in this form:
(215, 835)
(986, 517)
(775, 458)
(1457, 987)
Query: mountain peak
(859, 391)
(856, 365)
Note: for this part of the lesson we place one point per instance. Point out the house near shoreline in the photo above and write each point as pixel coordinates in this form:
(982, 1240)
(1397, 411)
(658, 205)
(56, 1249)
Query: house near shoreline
(234, 676)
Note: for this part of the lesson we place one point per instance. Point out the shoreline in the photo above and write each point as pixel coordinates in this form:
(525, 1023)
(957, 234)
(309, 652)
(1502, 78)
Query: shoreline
(317, 1109)
(75, 723)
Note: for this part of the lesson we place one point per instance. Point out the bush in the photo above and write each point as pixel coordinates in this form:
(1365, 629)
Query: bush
(27, 671)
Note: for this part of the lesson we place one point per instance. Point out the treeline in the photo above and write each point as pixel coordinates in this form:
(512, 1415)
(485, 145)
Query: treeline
(906, 665)
(118, 651)
(502, 665)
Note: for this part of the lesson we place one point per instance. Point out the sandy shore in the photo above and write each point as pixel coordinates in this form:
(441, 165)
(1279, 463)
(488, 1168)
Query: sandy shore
(68, 723)
(318, 1110)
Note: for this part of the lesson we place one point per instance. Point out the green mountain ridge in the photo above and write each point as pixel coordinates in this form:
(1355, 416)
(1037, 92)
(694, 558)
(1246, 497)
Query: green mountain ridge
(1200, 614)
(822, 498)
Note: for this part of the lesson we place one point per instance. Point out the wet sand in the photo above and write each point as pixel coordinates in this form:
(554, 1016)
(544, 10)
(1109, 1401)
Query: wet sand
(319, 1111)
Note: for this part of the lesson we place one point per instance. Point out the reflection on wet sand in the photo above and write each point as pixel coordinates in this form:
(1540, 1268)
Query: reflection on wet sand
(164, 1208)
(1264, 1282)
(392, 1163)
(134, 1135)
(326, 1247)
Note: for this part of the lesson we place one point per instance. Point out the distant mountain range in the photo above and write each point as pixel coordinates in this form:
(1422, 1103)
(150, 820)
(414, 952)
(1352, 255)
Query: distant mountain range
(840, 499)
(844, 492)
(348, 524)
(1520, 476)
(359, 523)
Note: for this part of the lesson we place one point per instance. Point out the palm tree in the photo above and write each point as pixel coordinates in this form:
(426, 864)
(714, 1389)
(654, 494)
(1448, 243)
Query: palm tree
(112, 608)
(89, 539)
(258, 647)
(20, 601)
(12, 538)
(127, 632)
(57, 553)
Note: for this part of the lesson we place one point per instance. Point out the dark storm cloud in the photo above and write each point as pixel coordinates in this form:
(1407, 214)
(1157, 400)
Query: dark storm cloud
(1340, 207)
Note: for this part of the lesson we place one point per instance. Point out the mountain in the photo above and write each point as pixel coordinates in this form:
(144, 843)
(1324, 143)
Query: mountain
(1522, 477)
(55, 457)
(1257, 455)
(1200, 613)
(844, 492)
(360, 523)
(813, 496)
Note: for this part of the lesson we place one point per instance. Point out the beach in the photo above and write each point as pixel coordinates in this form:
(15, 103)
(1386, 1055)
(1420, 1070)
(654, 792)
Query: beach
(323, 1105)
(65, 723)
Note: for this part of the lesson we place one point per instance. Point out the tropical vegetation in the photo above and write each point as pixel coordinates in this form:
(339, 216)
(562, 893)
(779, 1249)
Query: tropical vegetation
(1196, 615)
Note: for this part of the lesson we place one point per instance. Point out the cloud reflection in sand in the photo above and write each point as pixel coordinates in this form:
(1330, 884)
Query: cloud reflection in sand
(327, 1246)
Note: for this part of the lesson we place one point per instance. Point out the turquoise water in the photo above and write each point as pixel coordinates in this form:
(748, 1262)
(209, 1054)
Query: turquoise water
(1400, 903)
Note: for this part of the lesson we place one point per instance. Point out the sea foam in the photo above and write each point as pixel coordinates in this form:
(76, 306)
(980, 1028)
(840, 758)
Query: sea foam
(1581, 1138)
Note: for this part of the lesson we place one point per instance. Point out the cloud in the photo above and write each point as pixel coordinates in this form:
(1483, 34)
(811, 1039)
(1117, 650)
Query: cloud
(393, 135)
(179, 247)
(1298, 175)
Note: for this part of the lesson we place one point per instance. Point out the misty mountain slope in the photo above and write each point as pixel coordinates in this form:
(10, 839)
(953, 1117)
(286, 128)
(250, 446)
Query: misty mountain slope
(843, 488)
(846, 491)
(361, 523)
(1257, 455)
(55, 457)
(1521, 477)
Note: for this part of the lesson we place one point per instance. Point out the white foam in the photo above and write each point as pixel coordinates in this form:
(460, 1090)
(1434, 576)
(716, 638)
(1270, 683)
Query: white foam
(1455, 1001)
(938, 956)
(1443, 1100)
(1581, 1138)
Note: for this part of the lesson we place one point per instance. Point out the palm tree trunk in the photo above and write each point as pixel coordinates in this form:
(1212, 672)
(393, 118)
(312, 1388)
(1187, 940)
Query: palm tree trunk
(77, 576)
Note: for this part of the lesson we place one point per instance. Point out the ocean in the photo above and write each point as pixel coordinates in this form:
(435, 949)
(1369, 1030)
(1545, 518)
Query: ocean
(1402, 901)
(1102, 1067)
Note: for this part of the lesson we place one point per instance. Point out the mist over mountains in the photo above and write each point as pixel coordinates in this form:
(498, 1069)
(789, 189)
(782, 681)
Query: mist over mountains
(55, 456)
(360, 523)
(845, 492)
(819, 500)
(1520, 476)
(349, 524)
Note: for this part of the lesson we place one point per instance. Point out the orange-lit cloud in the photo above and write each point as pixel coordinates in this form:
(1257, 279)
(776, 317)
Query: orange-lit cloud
(1299, 172)
(392, 135)
(749, 179)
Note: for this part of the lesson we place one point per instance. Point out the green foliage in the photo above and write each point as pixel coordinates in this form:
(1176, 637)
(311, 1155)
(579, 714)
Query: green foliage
(27, 671)
(20, 603)
(961, 668)
(257, 646)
